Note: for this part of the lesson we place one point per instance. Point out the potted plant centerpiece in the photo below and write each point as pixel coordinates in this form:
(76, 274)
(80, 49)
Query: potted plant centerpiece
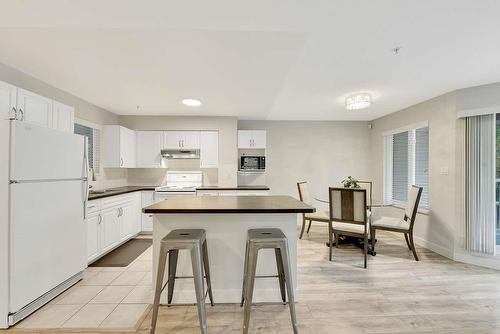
(350, 182)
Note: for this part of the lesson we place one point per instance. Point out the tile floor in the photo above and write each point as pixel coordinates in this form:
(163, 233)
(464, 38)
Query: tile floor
(394, 295)
(108, 298)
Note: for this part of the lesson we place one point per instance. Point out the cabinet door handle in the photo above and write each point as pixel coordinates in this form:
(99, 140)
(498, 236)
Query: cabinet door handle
(121, 162)
(22, 114)
(14, 112)
(99, 219)
(182, 142)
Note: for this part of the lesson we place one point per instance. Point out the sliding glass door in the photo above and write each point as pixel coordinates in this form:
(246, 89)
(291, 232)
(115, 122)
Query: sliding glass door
(497, 187)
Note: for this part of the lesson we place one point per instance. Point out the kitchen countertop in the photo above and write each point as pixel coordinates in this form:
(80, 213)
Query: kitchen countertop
(229, 204)
(118, 191)
(234, 188)
(129, 189)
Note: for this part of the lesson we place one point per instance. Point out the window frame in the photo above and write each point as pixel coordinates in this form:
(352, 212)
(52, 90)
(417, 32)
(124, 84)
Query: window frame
(388, 164)
(97, 142)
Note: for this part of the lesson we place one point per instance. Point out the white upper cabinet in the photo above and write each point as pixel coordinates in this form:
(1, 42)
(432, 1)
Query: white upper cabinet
(127, 147)
(119, 147)
(8, 94)
(182, 140)
(149, 145)
(63, 117)
(33, 108)
(23, 105)
(252, 139)
(209, 149)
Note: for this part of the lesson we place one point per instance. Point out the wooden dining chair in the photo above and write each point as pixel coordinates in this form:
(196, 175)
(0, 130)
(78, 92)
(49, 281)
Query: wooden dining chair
(348, 216)
(368, 185)
(319, 216)
(404, 225)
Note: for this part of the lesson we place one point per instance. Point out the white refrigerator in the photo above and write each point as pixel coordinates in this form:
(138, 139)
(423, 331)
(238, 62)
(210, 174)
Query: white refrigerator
(47, 194)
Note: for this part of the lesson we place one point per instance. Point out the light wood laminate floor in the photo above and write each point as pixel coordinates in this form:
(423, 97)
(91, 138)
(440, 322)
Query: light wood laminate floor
(394, 295)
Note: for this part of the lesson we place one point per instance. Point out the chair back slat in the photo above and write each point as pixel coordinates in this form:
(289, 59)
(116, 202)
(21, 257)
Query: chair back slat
(368, 185)
(412, 205)
(348, 205)
(304, 194)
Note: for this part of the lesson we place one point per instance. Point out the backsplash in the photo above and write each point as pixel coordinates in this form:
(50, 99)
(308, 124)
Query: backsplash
(156, 176)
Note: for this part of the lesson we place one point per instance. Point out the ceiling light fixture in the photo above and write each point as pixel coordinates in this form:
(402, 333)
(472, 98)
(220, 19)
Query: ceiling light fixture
(358, 101)
(191, 102)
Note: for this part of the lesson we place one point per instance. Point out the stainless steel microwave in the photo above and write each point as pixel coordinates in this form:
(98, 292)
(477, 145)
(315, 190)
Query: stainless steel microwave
(248, 162)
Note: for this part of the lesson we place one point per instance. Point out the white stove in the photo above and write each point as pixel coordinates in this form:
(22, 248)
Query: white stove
(179, 183)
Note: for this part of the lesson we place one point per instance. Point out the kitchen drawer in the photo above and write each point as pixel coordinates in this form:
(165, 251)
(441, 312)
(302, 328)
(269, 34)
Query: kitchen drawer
(93, 206)
(206, 192)
(120, 199)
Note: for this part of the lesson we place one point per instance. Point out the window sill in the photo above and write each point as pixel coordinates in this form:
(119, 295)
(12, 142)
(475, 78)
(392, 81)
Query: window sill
(423, 211)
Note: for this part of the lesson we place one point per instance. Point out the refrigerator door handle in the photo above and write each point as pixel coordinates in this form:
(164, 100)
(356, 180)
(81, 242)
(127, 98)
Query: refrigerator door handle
(85, 178)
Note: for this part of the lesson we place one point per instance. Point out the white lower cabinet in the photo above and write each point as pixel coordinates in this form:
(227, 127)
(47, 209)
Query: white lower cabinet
(147, 219)
(93, 235)
(110, 230)
(110, 222)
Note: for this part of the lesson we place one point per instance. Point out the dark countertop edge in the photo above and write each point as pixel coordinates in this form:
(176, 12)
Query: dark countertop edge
(238, 211)
(125, 190)
(234, 188)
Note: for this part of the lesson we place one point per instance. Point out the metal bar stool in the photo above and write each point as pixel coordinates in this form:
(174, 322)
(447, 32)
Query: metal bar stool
(260, 239)
(195, 241)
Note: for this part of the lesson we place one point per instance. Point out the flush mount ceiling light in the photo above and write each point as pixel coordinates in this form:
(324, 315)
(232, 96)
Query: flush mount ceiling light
(358, 101)
(191, 102)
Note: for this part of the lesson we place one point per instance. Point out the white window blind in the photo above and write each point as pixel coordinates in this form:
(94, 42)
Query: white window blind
(422, 164)
(93, 144)
(400, 167)
(406, 164)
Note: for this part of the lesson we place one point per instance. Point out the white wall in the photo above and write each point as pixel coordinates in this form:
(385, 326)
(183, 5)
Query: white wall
(83, 111)
(437, 229)
(225, 175)
(320, 152)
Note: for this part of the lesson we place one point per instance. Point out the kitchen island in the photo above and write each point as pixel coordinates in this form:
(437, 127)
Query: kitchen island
(226, 220)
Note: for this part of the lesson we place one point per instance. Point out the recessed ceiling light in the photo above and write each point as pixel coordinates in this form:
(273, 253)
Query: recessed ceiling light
(191, 102)
(358, 101)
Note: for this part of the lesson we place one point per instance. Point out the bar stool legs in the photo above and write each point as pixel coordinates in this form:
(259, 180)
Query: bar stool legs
(159, 287)
(260, 239)
(199, 286)
(195, 242)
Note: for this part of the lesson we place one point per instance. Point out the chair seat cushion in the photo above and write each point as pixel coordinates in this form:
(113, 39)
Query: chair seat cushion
(391, 222)
(319, 216)
(347, 227)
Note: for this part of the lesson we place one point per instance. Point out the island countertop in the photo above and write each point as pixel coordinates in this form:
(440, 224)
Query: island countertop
(229, 204)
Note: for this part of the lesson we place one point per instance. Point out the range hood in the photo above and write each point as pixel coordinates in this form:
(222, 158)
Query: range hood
(180, 154)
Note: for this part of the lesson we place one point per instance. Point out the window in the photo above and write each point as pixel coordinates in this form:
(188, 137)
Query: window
(93, 144)
(406, 164)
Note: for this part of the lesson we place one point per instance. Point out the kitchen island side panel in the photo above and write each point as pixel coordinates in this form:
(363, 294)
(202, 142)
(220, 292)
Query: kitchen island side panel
(226, 237)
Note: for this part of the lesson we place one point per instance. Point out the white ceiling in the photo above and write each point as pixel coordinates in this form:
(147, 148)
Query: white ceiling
(260, 59)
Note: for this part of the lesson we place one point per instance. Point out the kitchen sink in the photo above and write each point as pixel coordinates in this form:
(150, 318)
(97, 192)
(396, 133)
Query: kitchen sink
(102, 191)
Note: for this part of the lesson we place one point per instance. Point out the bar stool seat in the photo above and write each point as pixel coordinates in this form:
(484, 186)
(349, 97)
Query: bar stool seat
(270, 238)
(193, 240)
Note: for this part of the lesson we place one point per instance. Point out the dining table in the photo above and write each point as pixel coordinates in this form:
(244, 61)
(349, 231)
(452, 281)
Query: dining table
(358, 242)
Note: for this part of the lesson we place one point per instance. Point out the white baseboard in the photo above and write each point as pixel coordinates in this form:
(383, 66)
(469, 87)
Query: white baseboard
(434, 247)
(487, 261)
